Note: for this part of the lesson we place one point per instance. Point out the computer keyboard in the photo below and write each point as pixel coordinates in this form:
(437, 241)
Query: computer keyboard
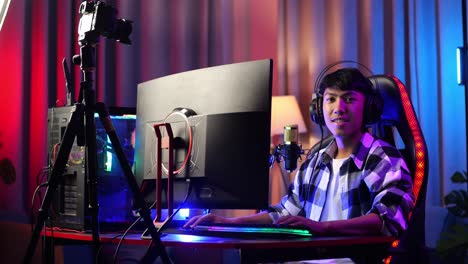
(240, 230)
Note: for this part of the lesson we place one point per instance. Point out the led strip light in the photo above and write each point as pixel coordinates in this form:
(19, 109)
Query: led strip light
(420, 147)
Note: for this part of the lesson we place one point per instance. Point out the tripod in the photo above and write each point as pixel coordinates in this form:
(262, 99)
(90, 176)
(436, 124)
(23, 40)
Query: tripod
(82, 127)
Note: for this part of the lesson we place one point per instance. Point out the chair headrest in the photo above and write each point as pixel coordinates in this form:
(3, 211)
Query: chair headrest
(391, 97)
(394, 112)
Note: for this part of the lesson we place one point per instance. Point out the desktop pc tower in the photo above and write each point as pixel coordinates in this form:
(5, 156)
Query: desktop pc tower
(70, 202)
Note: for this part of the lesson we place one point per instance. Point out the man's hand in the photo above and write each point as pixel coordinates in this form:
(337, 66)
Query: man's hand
(208, 218)
(369, 224)
(314, 226)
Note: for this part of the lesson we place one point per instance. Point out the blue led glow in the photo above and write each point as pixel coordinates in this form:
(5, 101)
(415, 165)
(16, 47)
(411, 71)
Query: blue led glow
(461, 57)
(459, 66)
(108, 167)
(129, 117)
(184, 213)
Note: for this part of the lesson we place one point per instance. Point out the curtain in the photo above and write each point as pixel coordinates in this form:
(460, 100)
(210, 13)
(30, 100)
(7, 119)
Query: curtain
(413, 40)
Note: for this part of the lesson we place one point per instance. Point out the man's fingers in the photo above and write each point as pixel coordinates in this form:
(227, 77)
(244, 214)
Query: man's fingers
(192, 220)
(284, 220)
(196, 220)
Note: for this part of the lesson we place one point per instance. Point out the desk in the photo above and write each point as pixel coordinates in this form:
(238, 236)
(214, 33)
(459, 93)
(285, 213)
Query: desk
(369, 249)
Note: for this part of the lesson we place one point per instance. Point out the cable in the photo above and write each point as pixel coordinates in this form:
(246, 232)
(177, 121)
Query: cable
(121, 239)
(45, 173)
(169, 218)
(61, 229)
(54, 152)
(41, 172)
(36, 191)
(96, 260)
(32, 203)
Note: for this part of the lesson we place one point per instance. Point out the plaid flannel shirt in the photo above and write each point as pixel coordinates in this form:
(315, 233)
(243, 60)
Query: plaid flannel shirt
(374, 179)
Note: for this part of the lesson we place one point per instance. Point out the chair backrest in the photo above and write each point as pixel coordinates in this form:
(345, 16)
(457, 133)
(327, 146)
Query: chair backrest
(399, 121)
(399, 118)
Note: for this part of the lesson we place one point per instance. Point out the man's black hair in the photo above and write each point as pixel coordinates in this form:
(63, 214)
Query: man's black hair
(346, 79)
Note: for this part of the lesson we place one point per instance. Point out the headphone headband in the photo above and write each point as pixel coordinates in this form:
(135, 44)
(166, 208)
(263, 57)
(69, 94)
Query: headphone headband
(325, 70)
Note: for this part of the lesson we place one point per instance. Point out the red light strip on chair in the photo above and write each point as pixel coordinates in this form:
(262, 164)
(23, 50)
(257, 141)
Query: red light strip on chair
(388, 259)
(419, 146)
(418, 138)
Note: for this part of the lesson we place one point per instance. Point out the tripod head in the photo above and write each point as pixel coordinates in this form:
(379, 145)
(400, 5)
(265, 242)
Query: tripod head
(98, 19)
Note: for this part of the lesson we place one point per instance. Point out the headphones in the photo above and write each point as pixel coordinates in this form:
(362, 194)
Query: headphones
(373, 107)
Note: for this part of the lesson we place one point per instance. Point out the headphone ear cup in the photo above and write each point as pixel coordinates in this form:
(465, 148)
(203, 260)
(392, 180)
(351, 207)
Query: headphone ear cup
(315, 109)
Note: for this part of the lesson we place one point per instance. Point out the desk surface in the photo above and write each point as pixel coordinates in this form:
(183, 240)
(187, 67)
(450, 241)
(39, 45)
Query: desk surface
(259, 250)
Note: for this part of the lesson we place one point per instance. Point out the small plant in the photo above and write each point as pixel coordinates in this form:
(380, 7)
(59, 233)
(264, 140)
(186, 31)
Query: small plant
(455, 242)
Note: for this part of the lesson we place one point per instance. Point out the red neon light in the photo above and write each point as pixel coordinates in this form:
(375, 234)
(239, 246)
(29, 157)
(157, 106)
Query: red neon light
(419, 146)
(418, 138)
(388, 259)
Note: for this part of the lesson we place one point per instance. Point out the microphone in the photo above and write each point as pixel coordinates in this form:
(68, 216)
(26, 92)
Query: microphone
(289, 150)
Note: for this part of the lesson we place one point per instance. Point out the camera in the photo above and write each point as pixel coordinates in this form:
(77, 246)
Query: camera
(98, 19)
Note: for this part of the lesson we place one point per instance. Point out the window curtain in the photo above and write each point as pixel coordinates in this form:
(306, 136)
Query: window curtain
(413, 40)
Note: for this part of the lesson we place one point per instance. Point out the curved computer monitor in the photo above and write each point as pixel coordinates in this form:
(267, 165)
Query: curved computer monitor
(228, 165)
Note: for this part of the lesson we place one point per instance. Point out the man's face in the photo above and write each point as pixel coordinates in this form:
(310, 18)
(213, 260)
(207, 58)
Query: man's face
(343, 112)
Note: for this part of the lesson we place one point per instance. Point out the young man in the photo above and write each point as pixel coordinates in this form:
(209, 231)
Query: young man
(356, 185)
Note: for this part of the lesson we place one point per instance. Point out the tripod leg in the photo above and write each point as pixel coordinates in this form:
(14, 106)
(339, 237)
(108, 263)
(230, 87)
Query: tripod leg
(57, 171)
(157, 248)
(91, 167)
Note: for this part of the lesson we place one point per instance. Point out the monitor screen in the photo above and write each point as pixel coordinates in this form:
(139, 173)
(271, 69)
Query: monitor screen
(225, 110)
